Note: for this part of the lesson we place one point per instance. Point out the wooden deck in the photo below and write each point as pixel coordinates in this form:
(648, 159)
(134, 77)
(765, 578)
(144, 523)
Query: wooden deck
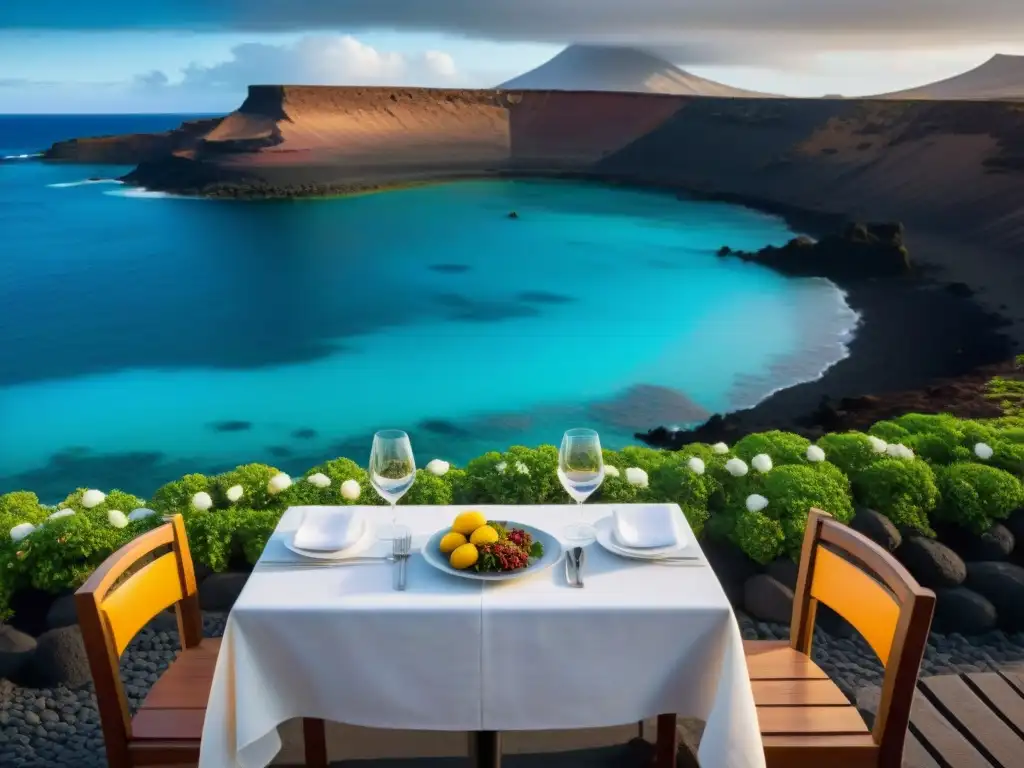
(964, 721)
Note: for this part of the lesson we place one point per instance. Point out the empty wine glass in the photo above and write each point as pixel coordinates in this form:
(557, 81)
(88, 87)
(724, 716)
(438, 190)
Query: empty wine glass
(581, 471)
(392, 470)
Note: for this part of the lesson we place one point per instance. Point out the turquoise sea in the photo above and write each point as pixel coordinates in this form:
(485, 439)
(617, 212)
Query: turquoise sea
(144, 336)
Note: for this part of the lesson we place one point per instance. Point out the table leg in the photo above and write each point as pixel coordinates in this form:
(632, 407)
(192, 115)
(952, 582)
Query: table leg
(666, 747)
(314, 737)
(485, 749)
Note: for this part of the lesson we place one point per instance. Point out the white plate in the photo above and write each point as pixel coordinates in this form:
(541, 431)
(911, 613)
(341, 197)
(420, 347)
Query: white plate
(606, 538)
(364, 543)
(552, 554)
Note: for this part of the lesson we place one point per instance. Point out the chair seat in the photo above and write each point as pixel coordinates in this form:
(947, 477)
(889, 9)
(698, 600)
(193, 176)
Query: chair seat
(804, 718)
(175, 708)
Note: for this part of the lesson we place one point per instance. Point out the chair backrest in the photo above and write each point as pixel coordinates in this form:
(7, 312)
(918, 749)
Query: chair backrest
(110, 617)
(866, 586)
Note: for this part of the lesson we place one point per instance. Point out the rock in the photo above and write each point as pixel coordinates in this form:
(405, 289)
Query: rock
(731, 566)
(1003, 584)
(62, 613)
(994, 544)
(513, 215)
(833, 624)
(16, 649)
(59, 659)
(784, 571)
(219, 591)
(958, 609)
(860, 250)
(877, 527)
(767, 599)
(30, 607)
(1014, 523)
(932, 563)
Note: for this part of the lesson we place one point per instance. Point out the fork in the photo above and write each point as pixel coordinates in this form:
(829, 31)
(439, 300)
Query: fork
(402, 548)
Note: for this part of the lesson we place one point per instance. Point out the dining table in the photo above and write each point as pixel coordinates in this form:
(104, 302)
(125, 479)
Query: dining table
(640, 639)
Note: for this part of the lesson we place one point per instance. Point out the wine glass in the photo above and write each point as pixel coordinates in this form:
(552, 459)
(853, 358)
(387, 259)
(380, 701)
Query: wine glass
(392, 470)
(581, 471)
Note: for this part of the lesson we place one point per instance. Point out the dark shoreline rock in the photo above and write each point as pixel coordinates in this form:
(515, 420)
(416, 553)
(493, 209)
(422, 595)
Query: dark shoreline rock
(859, 251)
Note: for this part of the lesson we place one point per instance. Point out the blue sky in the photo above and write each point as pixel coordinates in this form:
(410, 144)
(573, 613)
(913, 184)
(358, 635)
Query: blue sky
(198, 55)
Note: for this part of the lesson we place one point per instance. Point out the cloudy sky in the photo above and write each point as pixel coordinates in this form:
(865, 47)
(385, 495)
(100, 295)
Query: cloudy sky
(198, 55)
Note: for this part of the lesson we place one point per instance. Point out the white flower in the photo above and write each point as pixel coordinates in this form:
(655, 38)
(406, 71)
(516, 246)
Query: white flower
(983, 451)
(350, 490)
(736, 467)
(899, 451)
(61, 513)
(22, 530)
(815, 454)
(319, 479)
(202, 501)
(93, 498)
(438, 467)
(756, 502)
(501, 466)
(117, 518)
(611, 471)
(636, 476)
(878, 445)
(522, 469)
(696, 465)
(140, 514)
(762, 462)
(234, 493)
(720, 448)
(278, 483)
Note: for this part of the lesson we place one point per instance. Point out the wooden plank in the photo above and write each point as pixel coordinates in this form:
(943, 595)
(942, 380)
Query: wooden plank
(933, 729)
(809, 720)
(798, 693)
(1002, 697)
(976, 718)
(915, 755)
(168, 724)
(775, 660)
(816, 751)
(1014, 677)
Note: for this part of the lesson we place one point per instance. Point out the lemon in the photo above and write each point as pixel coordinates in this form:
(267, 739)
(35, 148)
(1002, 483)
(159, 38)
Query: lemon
(452, 541)
(463, 557)
(468, 522)
(484, 535)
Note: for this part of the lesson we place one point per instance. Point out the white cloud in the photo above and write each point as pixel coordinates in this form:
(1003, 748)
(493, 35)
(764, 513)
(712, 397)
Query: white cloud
(321, 60)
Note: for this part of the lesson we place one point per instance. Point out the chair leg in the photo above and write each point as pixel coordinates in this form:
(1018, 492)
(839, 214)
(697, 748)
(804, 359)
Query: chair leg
(314, 737)
(665, 747)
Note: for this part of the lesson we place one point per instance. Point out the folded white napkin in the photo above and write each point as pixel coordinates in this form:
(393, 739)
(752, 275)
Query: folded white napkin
(645, 527)
(329, 529)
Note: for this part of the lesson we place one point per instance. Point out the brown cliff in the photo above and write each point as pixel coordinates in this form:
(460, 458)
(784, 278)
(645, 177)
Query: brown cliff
(130, 149)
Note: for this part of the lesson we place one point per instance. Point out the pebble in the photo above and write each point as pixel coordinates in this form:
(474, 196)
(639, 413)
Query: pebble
(40, 728)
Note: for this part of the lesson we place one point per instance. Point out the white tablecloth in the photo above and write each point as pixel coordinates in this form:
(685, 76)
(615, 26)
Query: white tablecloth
(458, 655)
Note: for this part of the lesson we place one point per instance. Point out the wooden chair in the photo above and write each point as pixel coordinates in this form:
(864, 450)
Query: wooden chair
(167, 728)
(805, 720)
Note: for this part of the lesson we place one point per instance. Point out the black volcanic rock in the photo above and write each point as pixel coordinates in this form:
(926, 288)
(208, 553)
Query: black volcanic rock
(131, 149)
(859, 251)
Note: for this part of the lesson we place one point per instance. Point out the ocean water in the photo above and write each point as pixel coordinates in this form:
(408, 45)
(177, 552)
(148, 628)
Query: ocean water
(143, 336)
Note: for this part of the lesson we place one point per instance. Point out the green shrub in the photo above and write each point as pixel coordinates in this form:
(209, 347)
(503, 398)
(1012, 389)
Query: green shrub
(518, 476)
(303, 493)
(675, 482)
(902, 490)
(782, 447)
(1013, 435)
(176, 497)
(931, 423)
(974, 496)
(211, 536)
(792, 491)
(254, 479)
(119, 500)
(850, 451)
(19, 507)
(428, 488)
(889, 431)
(938, 448)
(1007, 456)
(759, 536)
(643, 457)
(63, 553)
(255, 527)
